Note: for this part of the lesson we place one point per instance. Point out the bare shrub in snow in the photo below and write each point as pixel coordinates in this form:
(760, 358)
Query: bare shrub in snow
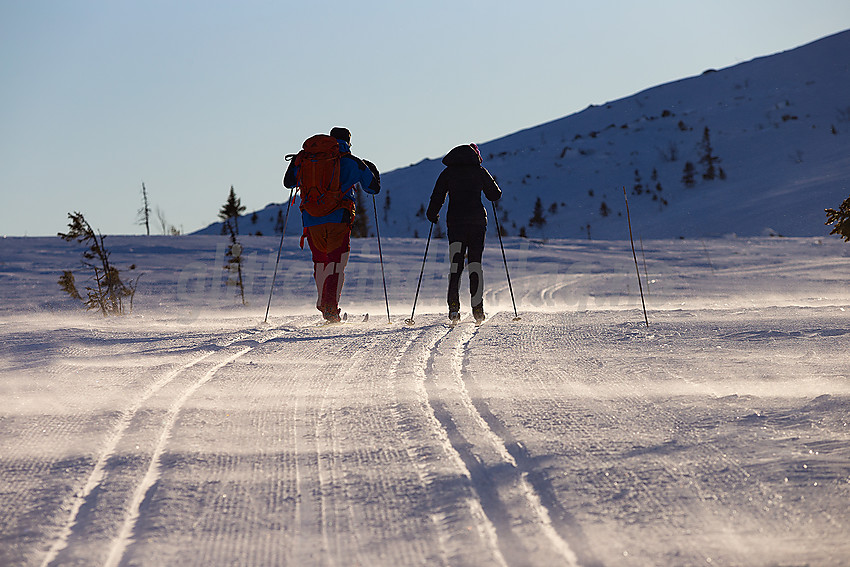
(105, 291)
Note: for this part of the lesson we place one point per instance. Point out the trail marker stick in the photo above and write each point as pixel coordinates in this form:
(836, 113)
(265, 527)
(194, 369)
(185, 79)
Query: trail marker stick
(634, 254)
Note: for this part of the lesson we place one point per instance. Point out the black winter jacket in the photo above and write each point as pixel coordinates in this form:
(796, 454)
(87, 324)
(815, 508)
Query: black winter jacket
(463, 181)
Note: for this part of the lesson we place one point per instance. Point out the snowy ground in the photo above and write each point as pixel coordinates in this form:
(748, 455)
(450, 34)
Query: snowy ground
(189, 433)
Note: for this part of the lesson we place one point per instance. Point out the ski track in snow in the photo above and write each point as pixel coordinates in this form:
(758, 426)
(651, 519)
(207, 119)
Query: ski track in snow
(534, 486)
(220, 349)
(97, 475)
(570, 437)
(515, 515)
(153, 473)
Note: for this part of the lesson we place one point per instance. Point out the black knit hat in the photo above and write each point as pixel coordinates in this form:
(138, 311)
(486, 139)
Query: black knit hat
(341, 134)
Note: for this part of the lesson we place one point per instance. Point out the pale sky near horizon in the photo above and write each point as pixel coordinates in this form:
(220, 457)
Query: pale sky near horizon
(191, 97)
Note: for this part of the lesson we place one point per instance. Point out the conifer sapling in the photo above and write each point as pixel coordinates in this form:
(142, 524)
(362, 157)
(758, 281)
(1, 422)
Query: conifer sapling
(840, 219)
(106, 291)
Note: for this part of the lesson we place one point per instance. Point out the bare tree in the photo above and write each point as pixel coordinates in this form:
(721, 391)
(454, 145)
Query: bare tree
(144, 214)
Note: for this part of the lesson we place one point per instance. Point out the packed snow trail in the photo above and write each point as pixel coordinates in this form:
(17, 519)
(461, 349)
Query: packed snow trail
(560, 439)
(100, 477)
(506, 496)
(188, 434)
(153, 473)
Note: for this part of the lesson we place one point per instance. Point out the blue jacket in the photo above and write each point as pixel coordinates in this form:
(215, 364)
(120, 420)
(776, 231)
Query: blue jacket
(353, 172)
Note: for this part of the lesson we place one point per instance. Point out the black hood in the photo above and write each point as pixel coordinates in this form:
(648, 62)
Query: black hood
(462, 155)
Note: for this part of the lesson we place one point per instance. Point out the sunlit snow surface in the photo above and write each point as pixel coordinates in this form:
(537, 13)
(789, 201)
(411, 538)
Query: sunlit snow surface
(190, 433)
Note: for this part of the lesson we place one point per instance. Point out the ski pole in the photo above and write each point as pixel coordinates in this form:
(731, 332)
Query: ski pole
(505, 260)
(422, 271)
(283, 233)
(640, 285)
(381, 256)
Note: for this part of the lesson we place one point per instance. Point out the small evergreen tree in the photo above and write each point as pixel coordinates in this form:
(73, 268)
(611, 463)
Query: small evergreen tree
(658, 190)
(234, 263)
(537, 218)
(840, 219)
(638, 187)
(106, 292)
(69, 286)
(688, 175)
(604, 210)
(230, 212)
(708, 158)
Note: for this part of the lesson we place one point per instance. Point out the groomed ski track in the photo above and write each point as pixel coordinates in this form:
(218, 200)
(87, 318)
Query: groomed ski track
(377, 444)
(326, 463)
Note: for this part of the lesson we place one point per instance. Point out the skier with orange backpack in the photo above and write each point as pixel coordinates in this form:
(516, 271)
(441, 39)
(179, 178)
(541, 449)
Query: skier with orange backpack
(327, 176)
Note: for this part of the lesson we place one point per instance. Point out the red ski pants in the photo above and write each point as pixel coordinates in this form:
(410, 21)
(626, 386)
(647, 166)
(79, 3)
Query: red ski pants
(330, 244)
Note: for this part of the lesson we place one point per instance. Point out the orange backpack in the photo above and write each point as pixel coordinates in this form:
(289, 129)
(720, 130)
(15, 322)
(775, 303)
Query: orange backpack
(318, 175)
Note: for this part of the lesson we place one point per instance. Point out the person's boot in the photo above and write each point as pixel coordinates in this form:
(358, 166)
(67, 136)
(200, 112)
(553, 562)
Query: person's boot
(331, 314)
(478, 313)
(454, 312)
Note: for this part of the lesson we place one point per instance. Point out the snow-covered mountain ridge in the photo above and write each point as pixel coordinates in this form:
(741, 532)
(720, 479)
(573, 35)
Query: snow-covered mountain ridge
(779, 127)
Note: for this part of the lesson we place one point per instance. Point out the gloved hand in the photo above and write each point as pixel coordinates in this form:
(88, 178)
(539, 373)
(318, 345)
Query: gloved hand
(434, 218)
(374, 169)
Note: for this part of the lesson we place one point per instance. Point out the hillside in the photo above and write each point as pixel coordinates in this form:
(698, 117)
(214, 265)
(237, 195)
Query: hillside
(780, 126)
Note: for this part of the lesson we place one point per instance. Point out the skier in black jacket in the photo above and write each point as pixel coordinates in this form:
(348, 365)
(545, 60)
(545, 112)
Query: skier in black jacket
(463, 180)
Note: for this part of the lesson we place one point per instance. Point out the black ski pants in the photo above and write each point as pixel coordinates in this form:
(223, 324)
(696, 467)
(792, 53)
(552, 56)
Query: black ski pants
(466, 242)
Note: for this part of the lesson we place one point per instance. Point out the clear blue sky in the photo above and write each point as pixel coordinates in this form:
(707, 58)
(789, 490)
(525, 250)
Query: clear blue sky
(191, 97)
